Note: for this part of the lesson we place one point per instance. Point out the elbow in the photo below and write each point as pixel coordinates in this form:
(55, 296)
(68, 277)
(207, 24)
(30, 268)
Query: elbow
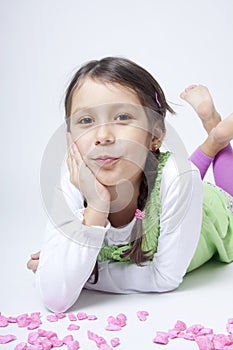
(56, 307)
(56, 298)
(167, 283)
(57, 302)
(169, 287)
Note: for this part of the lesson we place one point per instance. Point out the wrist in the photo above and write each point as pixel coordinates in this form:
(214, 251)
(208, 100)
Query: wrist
(94, 217)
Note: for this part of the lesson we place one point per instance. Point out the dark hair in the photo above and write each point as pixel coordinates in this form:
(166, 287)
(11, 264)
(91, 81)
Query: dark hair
(127, 73)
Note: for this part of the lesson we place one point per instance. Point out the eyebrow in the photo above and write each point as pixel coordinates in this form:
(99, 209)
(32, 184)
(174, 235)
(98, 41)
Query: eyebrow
(78, 109)
(115, 106)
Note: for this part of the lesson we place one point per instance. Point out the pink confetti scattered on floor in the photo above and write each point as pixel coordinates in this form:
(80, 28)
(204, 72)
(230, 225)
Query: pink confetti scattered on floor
(116, 323)
(60, 315)
(180, 326)
(72, 316)
(142, 315)
(11, 319)
(204, 337)
(100, 341)
(73, 345)
(4, 339)
(115, 342)
(82, 316)
(41, 339)
(68, 338)
(3, 321)
(73, 327)
(52, 318)
(92, 317)
(161, 338)
(113, 327)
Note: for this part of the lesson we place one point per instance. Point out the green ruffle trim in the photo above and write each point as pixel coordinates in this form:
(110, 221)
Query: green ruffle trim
(151, 221)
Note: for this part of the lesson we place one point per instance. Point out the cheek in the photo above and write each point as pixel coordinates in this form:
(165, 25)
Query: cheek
(136, 155)
(137, 149)
(83, 139)
(141, 135)
(139, 140)
(84, 144)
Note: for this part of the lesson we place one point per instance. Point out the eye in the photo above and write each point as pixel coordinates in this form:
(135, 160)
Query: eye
(86, 120)
(123, 117)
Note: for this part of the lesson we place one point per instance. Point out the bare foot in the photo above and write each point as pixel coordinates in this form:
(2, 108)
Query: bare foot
(198, 96)
(219, 137)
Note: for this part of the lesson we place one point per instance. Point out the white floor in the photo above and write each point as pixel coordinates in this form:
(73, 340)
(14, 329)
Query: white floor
(204, 297)
(42, 42)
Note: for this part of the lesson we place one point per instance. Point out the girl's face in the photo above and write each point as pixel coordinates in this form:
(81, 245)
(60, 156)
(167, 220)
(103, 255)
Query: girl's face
(110, 128)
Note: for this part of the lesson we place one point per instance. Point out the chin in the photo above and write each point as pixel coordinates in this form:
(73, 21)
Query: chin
(108, 181)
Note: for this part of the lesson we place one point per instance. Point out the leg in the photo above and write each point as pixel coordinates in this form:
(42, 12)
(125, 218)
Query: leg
(199, 98)
(201, 160)
(223, 169)
(217, 146)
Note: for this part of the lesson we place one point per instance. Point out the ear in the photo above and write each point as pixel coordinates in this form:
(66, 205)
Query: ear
(155, 145)
(157, 138)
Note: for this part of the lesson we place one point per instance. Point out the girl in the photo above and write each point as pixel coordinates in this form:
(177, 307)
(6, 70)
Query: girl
(141, 219)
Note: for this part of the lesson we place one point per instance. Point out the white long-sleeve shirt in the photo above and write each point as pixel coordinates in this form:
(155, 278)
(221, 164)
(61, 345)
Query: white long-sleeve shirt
(67, 260)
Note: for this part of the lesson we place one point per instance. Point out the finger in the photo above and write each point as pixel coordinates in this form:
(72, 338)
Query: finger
(75, 152)
(75, 169)
(72, 147)
(70, 144)
(68, 160)
(35, 256)
(74, 160)
(33, 265)
(69, 140)
(70, 163)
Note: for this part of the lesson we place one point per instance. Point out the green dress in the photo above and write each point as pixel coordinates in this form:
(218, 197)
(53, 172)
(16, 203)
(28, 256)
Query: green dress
(216, 237)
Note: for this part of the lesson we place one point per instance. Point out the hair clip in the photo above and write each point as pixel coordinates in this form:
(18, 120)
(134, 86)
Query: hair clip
(157, 99)
(139, 214)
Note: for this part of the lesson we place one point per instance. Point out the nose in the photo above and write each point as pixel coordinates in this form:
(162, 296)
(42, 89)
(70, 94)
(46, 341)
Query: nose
(104, 135)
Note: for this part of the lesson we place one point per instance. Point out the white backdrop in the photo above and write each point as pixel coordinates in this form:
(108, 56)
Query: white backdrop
(42, 43)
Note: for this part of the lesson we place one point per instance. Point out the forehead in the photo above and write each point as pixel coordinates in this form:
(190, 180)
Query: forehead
(95, 93)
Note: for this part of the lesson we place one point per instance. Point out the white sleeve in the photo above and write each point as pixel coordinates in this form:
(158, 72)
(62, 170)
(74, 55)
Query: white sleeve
(180, 226)
(69, 252)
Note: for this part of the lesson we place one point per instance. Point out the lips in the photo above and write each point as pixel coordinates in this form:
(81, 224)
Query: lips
(106, 160)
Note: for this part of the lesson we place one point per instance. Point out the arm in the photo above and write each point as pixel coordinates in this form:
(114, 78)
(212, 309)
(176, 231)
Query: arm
(69, 252)
(65, 266)
(180, 226)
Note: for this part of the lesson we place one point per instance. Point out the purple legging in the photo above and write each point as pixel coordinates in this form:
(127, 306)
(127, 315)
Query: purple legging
(222, 166)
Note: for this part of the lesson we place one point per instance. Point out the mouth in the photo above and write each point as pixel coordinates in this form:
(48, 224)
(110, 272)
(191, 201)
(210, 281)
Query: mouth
(106, 160)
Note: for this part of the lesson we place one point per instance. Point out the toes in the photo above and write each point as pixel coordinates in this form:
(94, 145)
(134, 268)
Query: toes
(190, 87)
(187, 90)
(193, 89)
(35, 256)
